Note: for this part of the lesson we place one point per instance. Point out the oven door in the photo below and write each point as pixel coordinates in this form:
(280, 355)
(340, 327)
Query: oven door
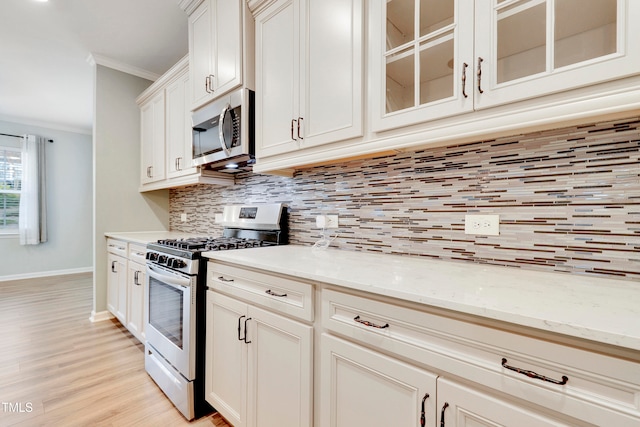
(170, 317)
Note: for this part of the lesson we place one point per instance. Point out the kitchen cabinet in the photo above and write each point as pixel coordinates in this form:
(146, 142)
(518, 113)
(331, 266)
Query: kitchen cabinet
(117, 279)
(494, 360)
(309, 88)
(135, 291)
(364, 387)
(152, 139)
(509, 378)
(215, 49)
(178, 128)
(165, 122)
(259, 361)
(125, 284)
(431, 59)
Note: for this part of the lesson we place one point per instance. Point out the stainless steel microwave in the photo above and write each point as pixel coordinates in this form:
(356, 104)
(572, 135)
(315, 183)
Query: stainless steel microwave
(223, 131)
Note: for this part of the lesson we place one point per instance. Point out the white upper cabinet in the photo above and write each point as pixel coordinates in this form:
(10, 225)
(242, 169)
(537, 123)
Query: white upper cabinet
(530, 48)
(215, 49)
(178, 128)
(420, 60)
(152, 139)
(431, 59)
(309, 84)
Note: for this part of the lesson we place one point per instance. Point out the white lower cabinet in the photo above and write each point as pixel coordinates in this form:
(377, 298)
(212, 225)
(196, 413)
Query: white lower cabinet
(259, 365)
(125, 284)
(462, 406)
(361, 387)
(117, 286)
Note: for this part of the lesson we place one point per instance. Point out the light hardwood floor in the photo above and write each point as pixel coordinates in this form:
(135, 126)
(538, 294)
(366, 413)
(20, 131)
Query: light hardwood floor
(57, 368)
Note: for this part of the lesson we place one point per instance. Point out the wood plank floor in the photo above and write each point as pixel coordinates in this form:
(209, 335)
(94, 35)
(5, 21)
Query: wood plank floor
(57, 368)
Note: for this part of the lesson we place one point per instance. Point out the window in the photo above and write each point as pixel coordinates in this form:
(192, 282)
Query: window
(10, 186)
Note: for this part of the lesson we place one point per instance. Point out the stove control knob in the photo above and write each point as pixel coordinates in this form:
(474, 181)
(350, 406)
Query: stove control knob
(176, 263)
(152, 256)
(162, 259)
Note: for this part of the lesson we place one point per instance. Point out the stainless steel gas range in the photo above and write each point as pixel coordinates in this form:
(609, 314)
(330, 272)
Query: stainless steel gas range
(175, 292)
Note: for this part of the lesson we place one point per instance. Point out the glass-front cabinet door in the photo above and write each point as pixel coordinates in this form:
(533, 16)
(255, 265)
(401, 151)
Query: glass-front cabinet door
(420, 60)
(529, 48)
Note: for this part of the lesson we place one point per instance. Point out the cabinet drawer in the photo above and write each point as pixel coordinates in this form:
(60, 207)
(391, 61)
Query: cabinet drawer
(137, 253)
(599, 387)
(117, 247)
(279, 294)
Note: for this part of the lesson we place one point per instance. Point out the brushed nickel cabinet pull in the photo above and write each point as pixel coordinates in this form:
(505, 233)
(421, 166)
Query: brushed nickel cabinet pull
(292, 126)
(535, 375)
(270, 292)
(113, 266)
(222, 279)
(299, 123)
(367, 323)
(480, 75)
(464, 80)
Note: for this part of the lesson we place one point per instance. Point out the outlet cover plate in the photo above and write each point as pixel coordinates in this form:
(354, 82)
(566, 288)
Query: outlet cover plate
(482, 225)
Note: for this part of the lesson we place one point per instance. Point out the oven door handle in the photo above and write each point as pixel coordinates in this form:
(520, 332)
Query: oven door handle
(169, 279)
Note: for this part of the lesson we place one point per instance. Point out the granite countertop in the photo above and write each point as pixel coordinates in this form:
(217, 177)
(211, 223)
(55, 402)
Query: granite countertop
(144, 237)
(598, 309)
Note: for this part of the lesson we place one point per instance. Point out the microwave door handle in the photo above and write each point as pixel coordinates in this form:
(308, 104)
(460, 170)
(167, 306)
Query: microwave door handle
(169, 279)
(223, 114)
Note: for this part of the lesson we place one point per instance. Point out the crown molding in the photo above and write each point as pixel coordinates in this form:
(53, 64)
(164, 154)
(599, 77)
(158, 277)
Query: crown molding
(97, 59)
(188, 6)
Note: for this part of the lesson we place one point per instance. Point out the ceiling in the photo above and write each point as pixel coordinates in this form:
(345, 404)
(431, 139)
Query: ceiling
(46, 78)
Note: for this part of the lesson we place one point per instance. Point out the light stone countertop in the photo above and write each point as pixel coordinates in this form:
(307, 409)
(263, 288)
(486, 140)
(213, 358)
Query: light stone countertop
(598, 309)
(144, 237)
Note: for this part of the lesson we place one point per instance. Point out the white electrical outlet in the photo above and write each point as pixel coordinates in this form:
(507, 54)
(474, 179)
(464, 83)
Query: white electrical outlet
(327, 221)
(332, 222)
(183, 217)
(482, 225)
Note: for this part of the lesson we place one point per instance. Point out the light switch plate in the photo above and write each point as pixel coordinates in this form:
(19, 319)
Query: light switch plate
(482, 225)
(183, 217)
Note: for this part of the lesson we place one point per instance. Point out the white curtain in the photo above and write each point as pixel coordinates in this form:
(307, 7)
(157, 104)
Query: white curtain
(33, 207)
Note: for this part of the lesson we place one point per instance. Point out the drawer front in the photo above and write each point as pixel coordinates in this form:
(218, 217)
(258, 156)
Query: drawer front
(137, 253)
(476, 352)
(117, 247)
(279, 294)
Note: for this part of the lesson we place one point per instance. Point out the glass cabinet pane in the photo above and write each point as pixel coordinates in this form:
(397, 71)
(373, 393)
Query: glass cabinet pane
(436, 69)
(522, 29)
(400, 22)
(584, 30)
(400, 81)
(420, 52)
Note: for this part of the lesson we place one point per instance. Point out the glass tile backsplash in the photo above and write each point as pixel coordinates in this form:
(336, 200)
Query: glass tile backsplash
(568, 200)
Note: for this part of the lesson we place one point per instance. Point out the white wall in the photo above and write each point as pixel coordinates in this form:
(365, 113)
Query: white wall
(118, 205)
(69, 209)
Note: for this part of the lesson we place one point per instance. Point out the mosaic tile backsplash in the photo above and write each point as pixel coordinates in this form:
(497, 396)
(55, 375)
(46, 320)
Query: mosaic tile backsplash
(568, 200)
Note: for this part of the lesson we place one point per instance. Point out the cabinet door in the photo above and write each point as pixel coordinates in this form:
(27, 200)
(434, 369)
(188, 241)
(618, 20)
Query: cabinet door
(420, 60)
(277, 78)
(531, 48)
(227, 42)
(152, 137)
(201, 53)
(461, 406)
(226, 357)
(331, 107)
(280, 371)
(361, 387)
(117, 287)
(178, 128)
(135, 288)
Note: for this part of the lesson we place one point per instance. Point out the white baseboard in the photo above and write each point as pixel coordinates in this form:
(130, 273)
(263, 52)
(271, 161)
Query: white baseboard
(46, 274)
(100, 316)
